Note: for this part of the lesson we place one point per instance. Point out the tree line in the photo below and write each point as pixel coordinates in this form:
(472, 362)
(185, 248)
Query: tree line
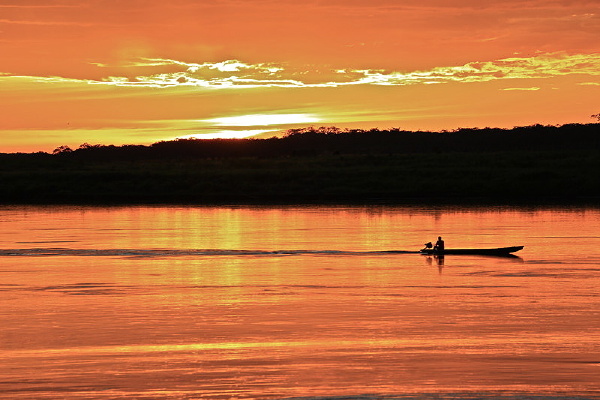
(527, 164)
(312, 141)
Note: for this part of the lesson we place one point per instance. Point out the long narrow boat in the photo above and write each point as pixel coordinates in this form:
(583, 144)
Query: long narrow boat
(500, 251)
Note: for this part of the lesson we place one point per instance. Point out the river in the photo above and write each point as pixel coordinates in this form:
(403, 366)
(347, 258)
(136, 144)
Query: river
(304, 302)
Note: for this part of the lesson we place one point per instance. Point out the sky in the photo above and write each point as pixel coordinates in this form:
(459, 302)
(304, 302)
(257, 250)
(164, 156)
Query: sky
(142, 71)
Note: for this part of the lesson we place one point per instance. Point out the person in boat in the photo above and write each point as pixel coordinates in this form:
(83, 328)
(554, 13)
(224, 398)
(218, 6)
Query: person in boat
(439, 245)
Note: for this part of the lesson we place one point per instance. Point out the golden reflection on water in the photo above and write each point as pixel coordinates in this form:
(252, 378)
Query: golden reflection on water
(308, 307)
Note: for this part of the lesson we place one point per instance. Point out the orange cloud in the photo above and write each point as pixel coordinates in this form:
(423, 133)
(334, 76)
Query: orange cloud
(236, 74)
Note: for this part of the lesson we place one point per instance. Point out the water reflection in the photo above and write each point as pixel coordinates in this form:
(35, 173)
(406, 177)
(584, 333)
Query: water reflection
(225, 302)
(437, 260)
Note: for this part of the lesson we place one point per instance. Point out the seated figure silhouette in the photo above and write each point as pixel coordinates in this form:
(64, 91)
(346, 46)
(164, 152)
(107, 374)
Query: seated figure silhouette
(439, 246)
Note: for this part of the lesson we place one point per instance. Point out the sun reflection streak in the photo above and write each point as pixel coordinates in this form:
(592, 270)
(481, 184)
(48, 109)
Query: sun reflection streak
(466, 345)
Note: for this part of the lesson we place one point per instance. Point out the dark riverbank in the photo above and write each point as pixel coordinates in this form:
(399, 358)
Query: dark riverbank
(536, 164)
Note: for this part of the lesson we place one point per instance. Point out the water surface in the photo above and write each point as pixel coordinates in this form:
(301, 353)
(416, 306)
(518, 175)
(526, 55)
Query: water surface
(285, 302)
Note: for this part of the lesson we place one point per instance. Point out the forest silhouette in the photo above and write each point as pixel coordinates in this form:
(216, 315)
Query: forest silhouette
(534, 164)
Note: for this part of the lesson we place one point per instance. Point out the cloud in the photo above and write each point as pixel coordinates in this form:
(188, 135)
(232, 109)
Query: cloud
(43, 23)
(545, 66)
(235, 74)
(224, 66)
(225, 74)
(522, 89)
(39, 6)
(43, 79)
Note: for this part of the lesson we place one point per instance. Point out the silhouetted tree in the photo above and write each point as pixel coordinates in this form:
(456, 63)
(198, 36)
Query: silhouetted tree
(89, 146)
(62, 150)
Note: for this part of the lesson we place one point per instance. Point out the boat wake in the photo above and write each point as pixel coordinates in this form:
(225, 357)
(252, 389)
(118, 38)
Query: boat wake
(57, 251)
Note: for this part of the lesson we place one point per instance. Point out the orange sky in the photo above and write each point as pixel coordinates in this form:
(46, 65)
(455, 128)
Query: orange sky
(140, 71)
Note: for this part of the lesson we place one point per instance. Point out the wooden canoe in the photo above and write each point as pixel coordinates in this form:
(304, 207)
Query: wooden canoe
(500, 251)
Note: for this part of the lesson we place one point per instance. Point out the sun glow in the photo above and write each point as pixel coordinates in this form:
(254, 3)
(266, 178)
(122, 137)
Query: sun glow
(255, 124)
(228, 134)
(264, 120)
